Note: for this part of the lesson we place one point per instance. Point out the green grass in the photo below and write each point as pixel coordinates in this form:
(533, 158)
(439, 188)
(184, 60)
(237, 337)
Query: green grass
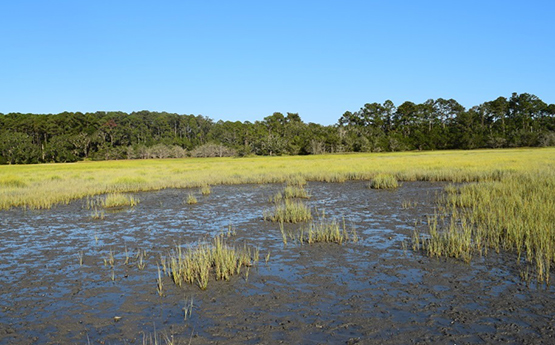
(216, 259)
(191, 199)
(10, 181)
(117, 200)
(515, 214)
(205, 190)
(36, 189)
(290, 192)
(289, 211)
(384, 181)
(322, 230)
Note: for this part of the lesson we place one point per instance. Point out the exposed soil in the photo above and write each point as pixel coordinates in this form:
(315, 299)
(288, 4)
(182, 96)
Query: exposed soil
(372, 291)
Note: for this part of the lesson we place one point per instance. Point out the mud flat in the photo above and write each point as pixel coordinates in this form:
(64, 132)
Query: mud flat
(57, 288)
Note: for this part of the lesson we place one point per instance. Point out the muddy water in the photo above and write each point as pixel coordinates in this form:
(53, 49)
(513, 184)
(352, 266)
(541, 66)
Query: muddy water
(371, 291)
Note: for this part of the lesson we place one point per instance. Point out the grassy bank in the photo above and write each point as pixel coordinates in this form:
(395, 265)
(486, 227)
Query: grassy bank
(42, 186)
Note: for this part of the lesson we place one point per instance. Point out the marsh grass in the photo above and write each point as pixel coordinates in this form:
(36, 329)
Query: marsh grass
(160, 283)
(191, 199)
(515, 214)
(216, 259)
(290, 192)
(155, 339)
(81, 256)
(188, 309)
(41, 186)
(205, 190)
(110, 259)
(289, 211)
(322, 230)
(383, 181)
(297, 181)
(141, 257)
(98, 214)
(406, 204)
(12, 182)
(117, 200)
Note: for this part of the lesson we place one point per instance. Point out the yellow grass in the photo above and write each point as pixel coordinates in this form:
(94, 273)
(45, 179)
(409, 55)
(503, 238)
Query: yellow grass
(515, 214)
(42, 186)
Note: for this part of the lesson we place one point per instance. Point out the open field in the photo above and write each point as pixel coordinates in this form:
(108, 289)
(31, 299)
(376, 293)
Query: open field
(460, 251)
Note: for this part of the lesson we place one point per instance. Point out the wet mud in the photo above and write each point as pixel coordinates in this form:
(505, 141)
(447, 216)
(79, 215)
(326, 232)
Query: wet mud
(371, 291)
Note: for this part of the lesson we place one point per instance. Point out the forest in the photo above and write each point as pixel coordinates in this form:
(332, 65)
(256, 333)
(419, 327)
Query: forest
(522, 120)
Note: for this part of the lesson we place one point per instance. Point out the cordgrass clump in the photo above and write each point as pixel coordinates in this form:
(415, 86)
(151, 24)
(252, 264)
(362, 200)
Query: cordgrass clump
(205, 190)
(328, 231)
(289, 211)
(191, 199)
(321, 231)
(217, 259)
(291, 192)
(384, 181)
(116, 200)
(515, 214)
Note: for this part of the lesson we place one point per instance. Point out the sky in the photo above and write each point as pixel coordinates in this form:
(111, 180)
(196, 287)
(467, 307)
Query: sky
(245, 60)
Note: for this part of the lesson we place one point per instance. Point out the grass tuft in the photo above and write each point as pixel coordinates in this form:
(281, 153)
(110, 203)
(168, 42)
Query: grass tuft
(116, 200)
(384, 181)
(205, 190)
(218, 259)
(321, 231)
(191, 199)
(289, 211)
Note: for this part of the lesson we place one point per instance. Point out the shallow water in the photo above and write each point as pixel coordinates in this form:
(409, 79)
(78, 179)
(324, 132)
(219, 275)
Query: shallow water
(371, 291)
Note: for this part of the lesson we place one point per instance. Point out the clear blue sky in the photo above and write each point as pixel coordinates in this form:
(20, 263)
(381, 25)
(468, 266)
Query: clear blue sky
(244, 60)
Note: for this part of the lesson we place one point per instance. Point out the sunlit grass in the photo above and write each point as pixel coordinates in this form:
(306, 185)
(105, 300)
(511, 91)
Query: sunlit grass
(216, 259)
(288, 211)
(191, 199)
(44, 185)
(328, 231)
(115, 200)
(205, 190)
(384, 181)
(515, 214)
(322, 230)
(290, 192)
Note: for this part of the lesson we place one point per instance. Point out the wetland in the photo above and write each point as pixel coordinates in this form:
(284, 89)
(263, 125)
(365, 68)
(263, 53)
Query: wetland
(68, 276)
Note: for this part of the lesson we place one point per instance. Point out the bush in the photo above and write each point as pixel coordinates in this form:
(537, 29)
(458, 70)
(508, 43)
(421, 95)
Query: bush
(213, 150)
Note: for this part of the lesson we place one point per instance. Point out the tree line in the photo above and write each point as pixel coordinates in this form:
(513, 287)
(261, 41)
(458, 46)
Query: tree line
(518, 121)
